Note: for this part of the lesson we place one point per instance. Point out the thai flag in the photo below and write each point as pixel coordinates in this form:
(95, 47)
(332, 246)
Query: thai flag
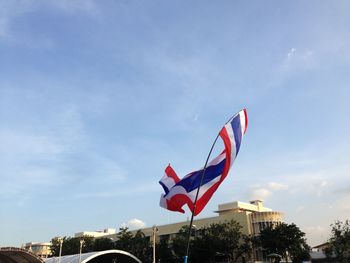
(179, 192)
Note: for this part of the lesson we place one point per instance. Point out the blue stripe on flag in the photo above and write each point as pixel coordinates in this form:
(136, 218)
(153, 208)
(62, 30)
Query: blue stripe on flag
(192, 182)
(237, 132)
(166, 190)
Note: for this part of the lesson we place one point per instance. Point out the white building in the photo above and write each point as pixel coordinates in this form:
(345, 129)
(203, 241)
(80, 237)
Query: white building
(41, 249)
(98, 233)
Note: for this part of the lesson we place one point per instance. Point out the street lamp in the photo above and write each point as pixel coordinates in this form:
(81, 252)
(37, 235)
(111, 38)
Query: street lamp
(81, 246)
(60, 240)
(154, 230)
(194, 228)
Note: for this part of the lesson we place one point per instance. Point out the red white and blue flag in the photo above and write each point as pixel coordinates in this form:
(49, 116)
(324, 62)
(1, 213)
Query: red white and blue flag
(180, 192)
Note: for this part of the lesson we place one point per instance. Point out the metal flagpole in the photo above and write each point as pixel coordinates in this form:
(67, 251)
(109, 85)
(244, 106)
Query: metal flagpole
(195, 200)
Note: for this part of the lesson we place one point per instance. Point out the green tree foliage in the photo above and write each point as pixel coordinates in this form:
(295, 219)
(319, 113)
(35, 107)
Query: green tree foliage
(285, 239)
(71, 245)
(222, 241)
(179, 243)
(55, 246)
(139, 245)
(339, 242)
(164, 252)
(124, 239)
(101, 244)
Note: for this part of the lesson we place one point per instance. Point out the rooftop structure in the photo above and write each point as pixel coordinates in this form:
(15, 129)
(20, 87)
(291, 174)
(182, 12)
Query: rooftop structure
(98, 233)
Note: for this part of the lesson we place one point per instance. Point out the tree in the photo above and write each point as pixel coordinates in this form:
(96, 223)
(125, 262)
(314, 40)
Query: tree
(55, 246)
(164, 251)
(179, 243)
(139, 245)
(124, 239)
(339, 242)
(71, 245)
(218, 240)
(285, 240)
(101, 244)
(223, 240)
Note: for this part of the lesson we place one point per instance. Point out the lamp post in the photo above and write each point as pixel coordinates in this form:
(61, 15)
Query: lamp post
(154, 230)
(81, 247)
(60, 240)
(194, 227)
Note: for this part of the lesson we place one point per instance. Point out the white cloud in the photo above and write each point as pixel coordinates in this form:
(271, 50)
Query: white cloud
(299, 59)
(315, 183)
(134, 224)
(263, 192)
(260, 193)
(291, 53)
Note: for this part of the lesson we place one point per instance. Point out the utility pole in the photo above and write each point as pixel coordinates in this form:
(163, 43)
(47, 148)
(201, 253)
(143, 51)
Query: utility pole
(60, 240)
(154, 230)
(81, 247)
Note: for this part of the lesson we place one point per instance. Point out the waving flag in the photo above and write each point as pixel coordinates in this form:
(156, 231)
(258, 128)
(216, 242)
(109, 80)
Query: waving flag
(180, 192)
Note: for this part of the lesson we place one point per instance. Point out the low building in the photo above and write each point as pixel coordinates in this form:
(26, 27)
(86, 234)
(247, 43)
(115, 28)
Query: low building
(321, 247)
(98, 233)
(40, 249)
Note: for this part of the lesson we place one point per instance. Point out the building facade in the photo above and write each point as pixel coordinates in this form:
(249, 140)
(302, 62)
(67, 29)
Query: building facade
(252, 216)
(98, 233)
(40, 249)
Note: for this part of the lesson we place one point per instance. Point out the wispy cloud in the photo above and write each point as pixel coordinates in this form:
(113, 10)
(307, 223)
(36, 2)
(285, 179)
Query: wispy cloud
(299, 59)
(89, 7)
(121, 192)
(12, 10)
(32, 158)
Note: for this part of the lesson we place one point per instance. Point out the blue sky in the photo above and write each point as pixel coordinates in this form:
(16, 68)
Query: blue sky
(97, 97)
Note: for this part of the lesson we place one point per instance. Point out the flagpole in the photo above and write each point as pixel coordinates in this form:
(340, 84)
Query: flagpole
(195, 200)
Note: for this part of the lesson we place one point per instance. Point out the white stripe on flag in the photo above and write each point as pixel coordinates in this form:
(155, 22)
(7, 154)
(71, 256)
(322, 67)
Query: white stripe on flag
(231, 136)
(242, 119)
